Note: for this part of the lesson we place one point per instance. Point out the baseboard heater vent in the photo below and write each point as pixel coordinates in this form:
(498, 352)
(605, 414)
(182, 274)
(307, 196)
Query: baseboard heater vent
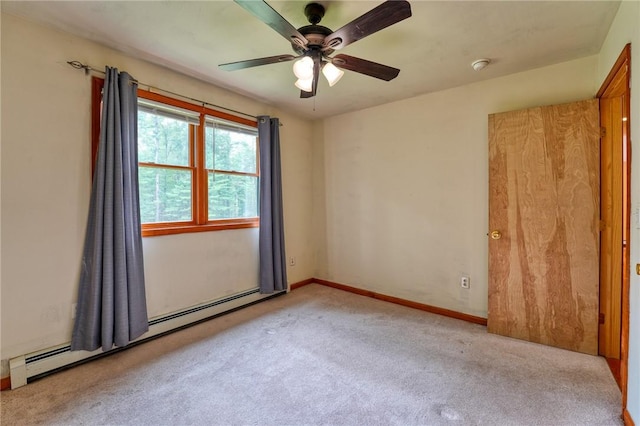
(189, 311)
(55, 352)
(29, 367)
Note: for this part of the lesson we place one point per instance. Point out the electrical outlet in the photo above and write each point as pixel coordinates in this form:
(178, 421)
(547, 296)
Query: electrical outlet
(292, 261)
(464, 282)
(73, 310)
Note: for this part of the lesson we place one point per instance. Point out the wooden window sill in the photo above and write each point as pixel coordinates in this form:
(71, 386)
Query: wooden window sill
(157, 229)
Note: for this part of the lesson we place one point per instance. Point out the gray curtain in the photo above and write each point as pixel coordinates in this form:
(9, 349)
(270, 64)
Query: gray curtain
(112, 307)
(273, 265)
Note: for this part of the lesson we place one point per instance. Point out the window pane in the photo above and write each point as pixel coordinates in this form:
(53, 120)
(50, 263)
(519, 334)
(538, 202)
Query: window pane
(162, 140)
(165, 195)
(229, 150)
(232, 196)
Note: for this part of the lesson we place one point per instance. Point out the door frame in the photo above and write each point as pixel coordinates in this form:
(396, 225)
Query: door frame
(624, 60)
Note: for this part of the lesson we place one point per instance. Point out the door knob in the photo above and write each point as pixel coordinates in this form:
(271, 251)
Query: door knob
(496, 235)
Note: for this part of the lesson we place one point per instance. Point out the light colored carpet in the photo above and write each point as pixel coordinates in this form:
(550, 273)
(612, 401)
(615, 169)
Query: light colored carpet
(320, 356)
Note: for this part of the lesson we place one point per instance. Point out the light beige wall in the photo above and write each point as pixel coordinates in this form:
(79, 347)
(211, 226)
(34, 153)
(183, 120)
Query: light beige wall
(45, 185)
(296, 137)
(626, 29)
(406, 186)
(319, 214)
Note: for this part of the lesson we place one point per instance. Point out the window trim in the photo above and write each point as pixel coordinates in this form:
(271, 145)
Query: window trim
(200, 222)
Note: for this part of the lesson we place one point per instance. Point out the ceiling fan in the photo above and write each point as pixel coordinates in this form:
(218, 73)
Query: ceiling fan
(314, 43)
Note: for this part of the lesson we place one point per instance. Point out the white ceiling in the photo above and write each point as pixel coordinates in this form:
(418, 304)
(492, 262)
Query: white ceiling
(433, 49)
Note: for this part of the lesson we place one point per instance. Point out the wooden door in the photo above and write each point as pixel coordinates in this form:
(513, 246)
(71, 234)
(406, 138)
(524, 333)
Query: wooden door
(544, 225)
(614, 195)
(611, 264)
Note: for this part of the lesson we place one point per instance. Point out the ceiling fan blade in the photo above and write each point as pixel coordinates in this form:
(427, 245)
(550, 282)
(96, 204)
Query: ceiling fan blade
(269, 16)
(314, 84)
(232, 66)
(362, 66)
(382, 16)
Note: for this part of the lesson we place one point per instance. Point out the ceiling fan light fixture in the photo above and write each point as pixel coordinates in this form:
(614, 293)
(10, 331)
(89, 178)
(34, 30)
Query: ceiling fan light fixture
(303, 68)
(305, 84)
(332, 73)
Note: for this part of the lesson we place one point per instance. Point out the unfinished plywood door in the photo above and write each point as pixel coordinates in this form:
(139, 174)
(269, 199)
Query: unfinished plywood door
(544, 225)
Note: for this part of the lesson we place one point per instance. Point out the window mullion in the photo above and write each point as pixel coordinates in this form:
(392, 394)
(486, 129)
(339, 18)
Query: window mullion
(201, 195)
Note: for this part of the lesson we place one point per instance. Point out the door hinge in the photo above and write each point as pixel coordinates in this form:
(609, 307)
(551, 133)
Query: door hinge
(603, 132)
(601, 318)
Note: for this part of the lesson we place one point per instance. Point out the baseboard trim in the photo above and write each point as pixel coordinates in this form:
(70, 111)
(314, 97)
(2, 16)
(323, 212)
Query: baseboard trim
(398, 301)
(626, 417)
(301, 284)
(5, 383)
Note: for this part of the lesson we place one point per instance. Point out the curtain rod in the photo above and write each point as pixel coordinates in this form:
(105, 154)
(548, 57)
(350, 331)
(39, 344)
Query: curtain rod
(87, 69)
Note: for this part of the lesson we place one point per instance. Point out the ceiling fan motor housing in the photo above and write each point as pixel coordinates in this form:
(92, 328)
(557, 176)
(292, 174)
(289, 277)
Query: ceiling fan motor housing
(315, 35)
(314, 12)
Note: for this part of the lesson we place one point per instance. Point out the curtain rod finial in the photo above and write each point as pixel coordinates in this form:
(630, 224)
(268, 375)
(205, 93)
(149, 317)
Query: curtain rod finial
(79, 65)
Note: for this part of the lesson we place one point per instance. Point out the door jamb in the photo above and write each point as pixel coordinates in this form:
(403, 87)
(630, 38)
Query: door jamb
(624, 59)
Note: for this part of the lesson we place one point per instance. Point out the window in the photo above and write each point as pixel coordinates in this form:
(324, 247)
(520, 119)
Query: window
(197, 167)
(166, 169)
(232, 169)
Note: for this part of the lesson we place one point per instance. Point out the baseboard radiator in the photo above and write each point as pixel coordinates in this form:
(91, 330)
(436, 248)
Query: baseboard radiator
(34, 365)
